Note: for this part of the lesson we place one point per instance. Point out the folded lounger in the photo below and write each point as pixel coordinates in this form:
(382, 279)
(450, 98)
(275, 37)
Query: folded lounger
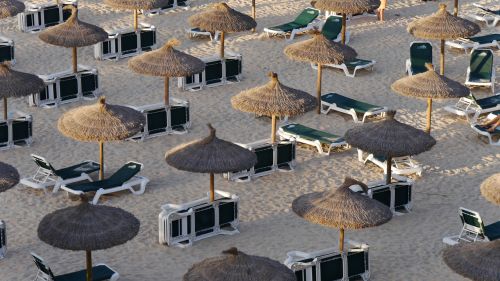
(323, 141)
(123, 179)
(305, 21)
(197, 32)
(46, 176)
(477, 42)
(399, 166)
(332, 29)
(420, 54)
(481, 70)
(489, 16)
(337, 102)
(484, 132)
(352, 66)
(473, 229)
(467, 106)
(100, 272)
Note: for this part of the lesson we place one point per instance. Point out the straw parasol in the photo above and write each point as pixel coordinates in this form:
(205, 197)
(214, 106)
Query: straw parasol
(273, 99)
(389, 138)
(167, 62)
(490, 189)
(429, 85)
(136, 5)
(87, 227)
(100, 122)
(9, 177)
(10, 8)
(234, 265)
(346, 7)
(321, 51)
(73, 34)
(210, 155)
(16, 84)
(476, 261)
(220, 17)
(342, 208)
(442, 26)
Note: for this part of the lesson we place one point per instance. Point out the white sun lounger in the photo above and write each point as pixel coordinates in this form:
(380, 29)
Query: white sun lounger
(477, 42)
(323, 141)
(399, 166)
(488, 16)
(351, 67)
(471, 107)
(305, 21)
(196, 32)
(343, 104)
(473, 229)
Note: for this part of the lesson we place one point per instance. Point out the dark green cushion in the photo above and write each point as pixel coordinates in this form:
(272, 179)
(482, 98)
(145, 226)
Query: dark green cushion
(420, 54)
(492, 231)
(121, 176)
(76, 170)
(356, 62)
(287, 27)
(332, 27)
(99, 273)
(348, 103)
(305, 18)
(485, 38)
(311, 134)
(481, 66)
(488, 102)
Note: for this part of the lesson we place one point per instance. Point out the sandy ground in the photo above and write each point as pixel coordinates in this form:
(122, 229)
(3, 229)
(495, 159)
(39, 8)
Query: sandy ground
(407, 248)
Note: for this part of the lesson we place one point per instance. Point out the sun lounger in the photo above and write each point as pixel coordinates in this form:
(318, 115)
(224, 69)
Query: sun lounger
(481, 70)
(125, 178)
(399, 166)
(7, 50)
(370, 13)
(484, 132)
(420, 54)
(17, 130)
(473, 229)
(332, 28)
(181, 225)
(170, 5)
(329, 264)
(323, 141)
(351, 67)
(471, 107)
(477, 42)
(46, 175)
(337, 102)
(196, 32)
(489, 16)
(305, 21)
(100, 272)
(37, 17)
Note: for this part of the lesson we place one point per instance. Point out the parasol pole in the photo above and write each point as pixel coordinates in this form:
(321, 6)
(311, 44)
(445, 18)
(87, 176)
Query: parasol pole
(389, 170)
(318, 88)
(166, 98)
(5, 108)
(212, 187)
(455, 10)
(89, 265)
(273, 131)
(441, 59)
(222, 44)
(341, 240)
(136, 16)
(429, 116)
(253, 13)
(344, 23)
(75, 60)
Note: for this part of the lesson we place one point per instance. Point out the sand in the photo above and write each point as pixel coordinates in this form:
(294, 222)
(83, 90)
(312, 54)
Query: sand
(407, 248)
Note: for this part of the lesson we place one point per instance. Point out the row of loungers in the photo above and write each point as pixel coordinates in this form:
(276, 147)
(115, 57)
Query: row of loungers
(37, 17)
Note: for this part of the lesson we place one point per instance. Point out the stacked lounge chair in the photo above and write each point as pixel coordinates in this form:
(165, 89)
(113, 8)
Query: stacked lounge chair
(323, 141)
(343, 104)
(476, 42)
(7, 50)
(37, 17)
(420, 54)
(17, 130)
(473, 229)
(481, 70)
(305, 21)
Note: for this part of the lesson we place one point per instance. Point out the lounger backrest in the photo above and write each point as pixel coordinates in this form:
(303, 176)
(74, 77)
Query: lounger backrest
(204, 220)
(420, 54)
(357, 263)
(264, 159)
(42, 163)
(4, 132)
(306, 17)
(125, 173)
(471, 220)
(481, 64)
(332, 27)
(179, 116)
(42, 266)
(402, 195)
(332, 268)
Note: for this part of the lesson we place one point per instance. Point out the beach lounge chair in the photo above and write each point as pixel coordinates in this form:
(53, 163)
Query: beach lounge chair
(197, 32)
(471, 107)
(343, 104)
(399, 166)
(17, 130)
(125, 178)
(481, 70)
(484, 132)
(397, 195)
(490, 17)
(181, 225)
(329, 264)
(305, 21)
(477, 42)
(169, 5)
(7, 50)
(100, 272)
(323, 141)
(332, 28)
(420, 54)
(46, 175)
(351, 67)
(37, 17)
(473, 229)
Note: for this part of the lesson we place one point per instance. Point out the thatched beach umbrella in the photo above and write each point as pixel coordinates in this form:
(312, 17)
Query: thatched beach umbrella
(477, 261)
(442, 26)
(389, 138)
(490, 189)
(10, 8)
(87, 227)
(342, 208)
(321, 51)
(14, 84)
(167, 62)
(100, 122)
(346, 7)
(429, 85)
(73, 34)
(220, 17)
(273, 99)
(210, 155)
(9, 177)
(136, 5)
(234, 265)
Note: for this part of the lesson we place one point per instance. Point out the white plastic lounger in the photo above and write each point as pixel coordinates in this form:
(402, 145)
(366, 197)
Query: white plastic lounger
(196, 32)
(323, 141)
(305, 21)
(343, 104)
(489, 16)
(491, 136)
(351, 67)
(399, 166)
(477, 42)
(473, 229)
(471, 107)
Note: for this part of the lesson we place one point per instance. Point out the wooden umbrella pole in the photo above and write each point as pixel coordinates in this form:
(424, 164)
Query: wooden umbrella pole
(318, 88)
(101, 160)
(344, 23)
(5, 108)
(212, 187)
(253, 13)
(135, 19)
(455, 10)
(441, 60)
(89, 265)
(75, 62)
(166, 97)
(222, 44)
(389, 170)
(341, 240)
(429, 116)
(273, 131)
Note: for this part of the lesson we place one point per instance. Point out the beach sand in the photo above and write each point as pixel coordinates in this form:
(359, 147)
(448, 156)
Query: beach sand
(407, 248)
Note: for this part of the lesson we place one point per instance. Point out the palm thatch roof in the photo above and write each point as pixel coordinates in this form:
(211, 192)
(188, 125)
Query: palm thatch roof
(18, 84)
(101, 122)
(490, 189)
(136, 4)
(73, 33)
(235, 265)
(221, 17)
(88, 227)
(274, 98)
(342, 208)
(10, 8)
(442, 25)
(430, 84)
(476, 261)
(210, 155)
(320, 50)
(9, 177)
(389, 138)
(167, 61)
(347, 6)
